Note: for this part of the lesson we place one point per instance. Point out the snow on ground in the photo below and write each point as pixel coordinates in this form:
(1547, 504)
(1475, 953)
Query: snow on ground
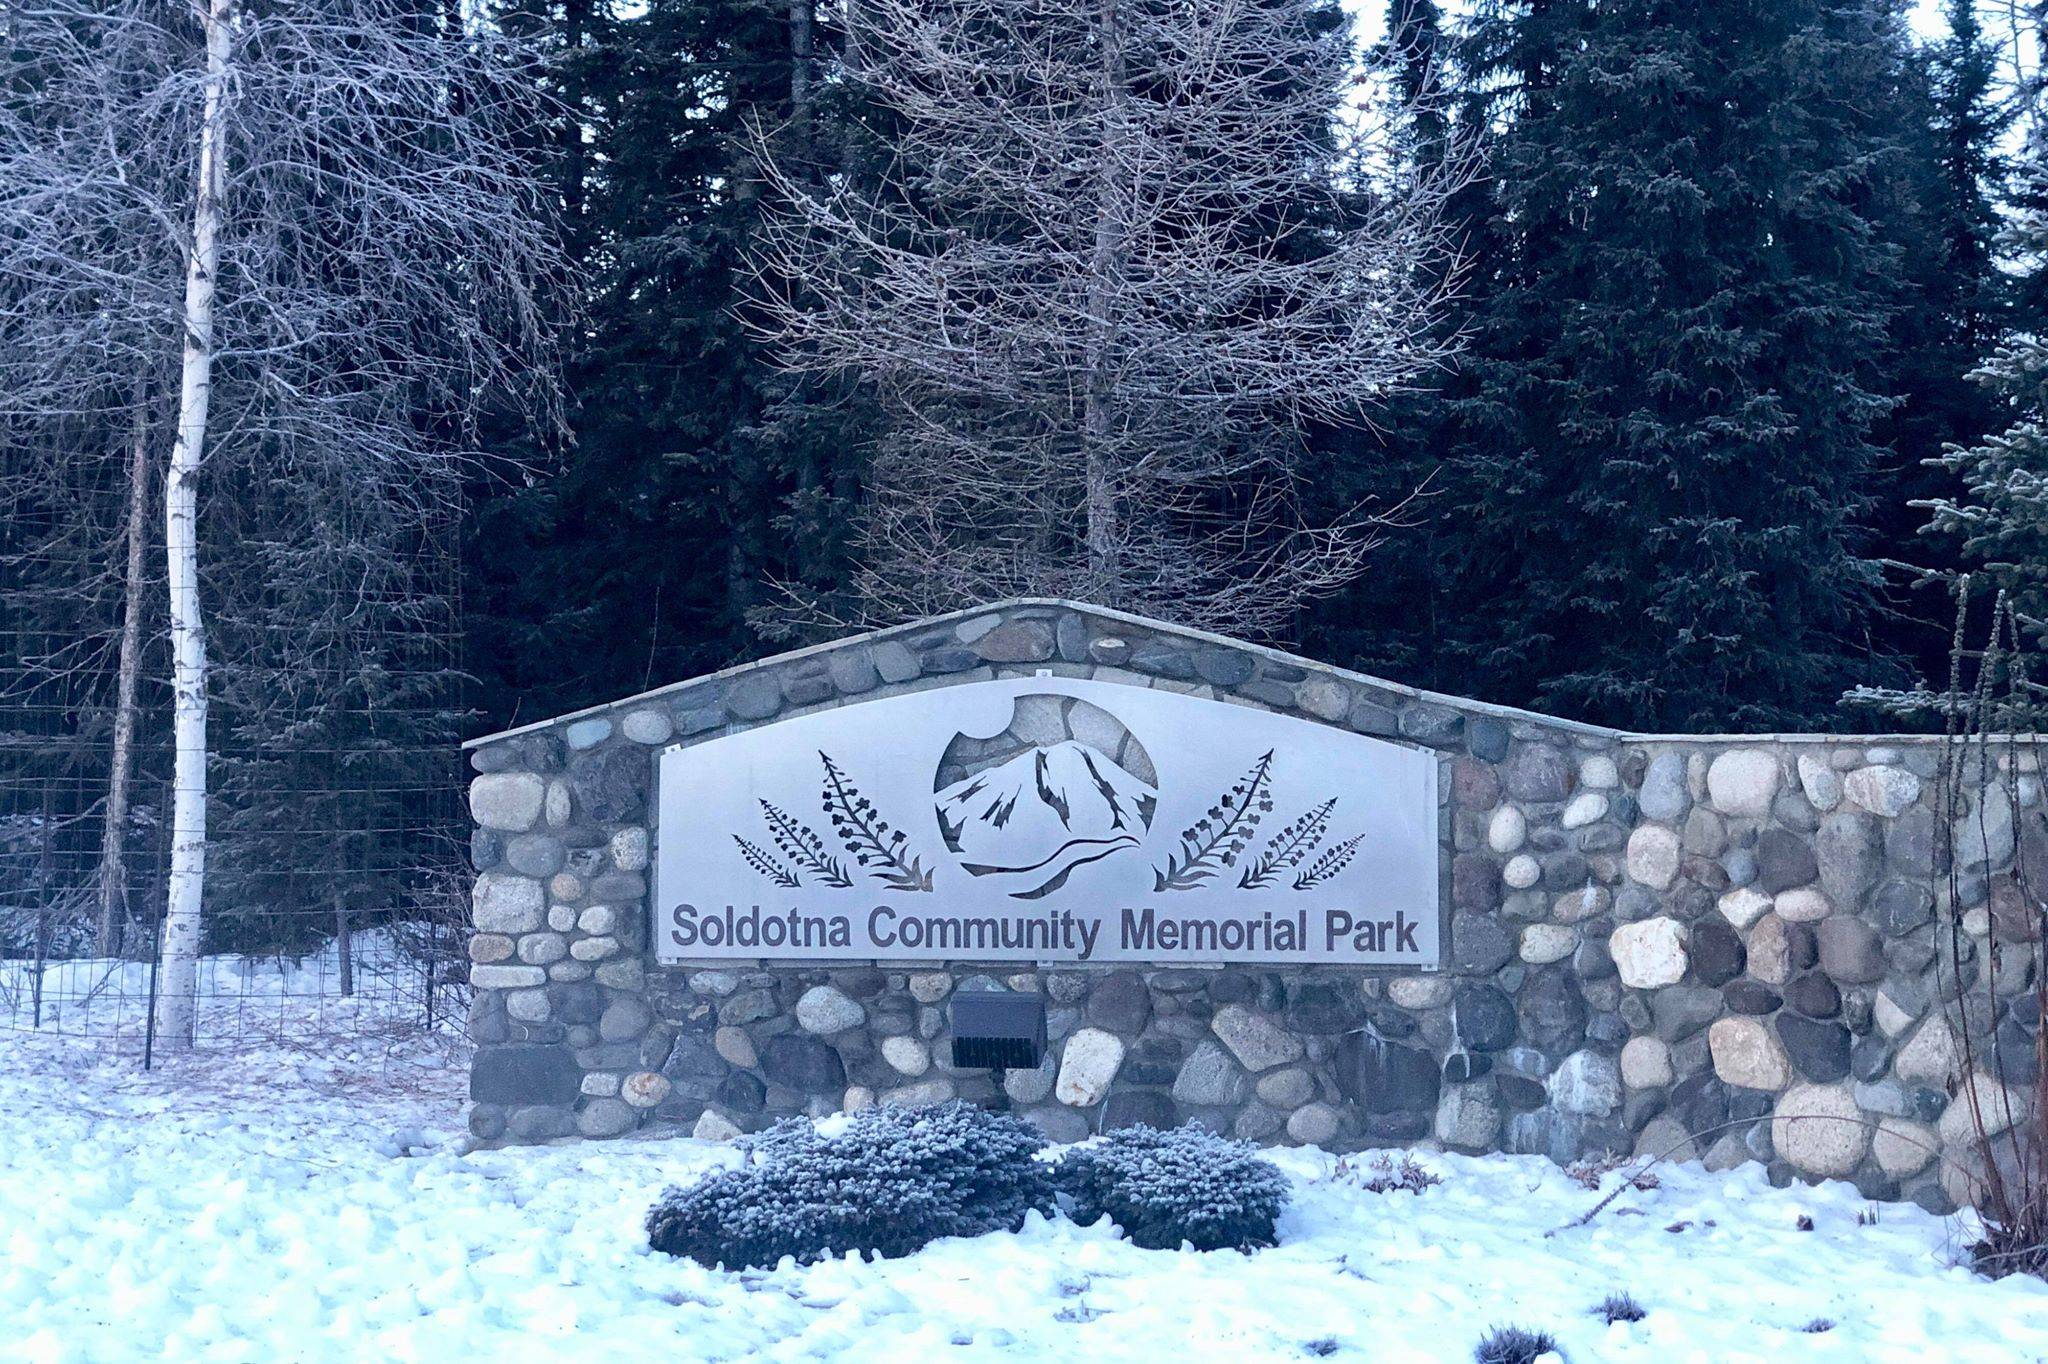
(318, 1203)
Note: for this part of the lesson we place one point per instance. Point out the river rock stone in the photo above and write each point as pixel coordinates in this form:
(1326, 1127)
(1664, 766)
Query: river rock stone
(1663, 795)
(1783, 860)
(1483, 1018)
(825, 1010)
(1747, 1055)
(1743, 782)
(1649, 953)
(1885, 791)
(1210, 1079)
(1743, 906)
(1506, 829)
(1087, 1065)
(1653, 856)
(1850, 950)
(1819, 1049)
(1256, 1042)
(1819, 1129)
(1850, 850)
(1588, 1083)
(1646, 1063)
(506, 801)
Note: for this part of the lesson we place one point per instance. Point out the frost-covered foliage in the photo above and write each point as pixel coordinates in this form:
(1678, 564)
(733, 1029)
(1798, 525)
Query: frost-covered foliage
(1384, 1176)
(1185, 1185)
(1513, 1345)
(887, 1180)
(1620, 1307)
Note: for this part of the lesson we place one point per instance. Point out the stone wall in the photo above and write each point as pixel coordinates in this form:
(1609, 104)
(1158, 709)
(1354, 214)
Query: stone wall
(1651, 937)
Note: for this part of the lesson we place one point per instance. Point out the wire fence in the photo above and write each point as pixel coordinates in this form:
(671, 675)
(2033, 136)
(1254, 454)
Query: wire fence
(335, 896)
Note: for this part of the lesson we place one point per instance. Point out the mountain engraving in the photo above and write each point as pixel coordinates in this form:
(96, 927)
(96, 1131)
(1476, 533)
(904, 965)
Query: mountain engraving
(1064, 787)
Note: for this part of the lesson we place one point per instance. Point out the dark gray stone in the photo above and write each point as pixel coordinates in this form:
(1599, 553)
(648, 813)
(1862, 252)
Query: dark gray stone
(1902, 906)
(1461, 1067)
(1163, 660)
(808, 689)
(1275, 694)
(1538, 772)
(1017, 641)
(1070, 638)
(698, 719)
(756, 696)
(1592, 960)
(540, 1124)
(1909, 844)
(950, 660)
(1120, 1003)
(1850, 950)
(1850, 849)
(1553, 1011)
(1784, 860)
(1750, 997)
(741, 1092)
(1323, 1006)
(486, 848)
(1428, 723)
(1813, 994)
(1479, 945)
(1717, 953)
(520, 1074)
(1682, 1010)
(1223, 667)
(610, 785)
(1370, 717)
(1870, 1057)
(1819, 1050)
(2013, 1058)
(1386, 1077)
(1137, 1108)
(852, 671)
(1483, 1018)
(1486, 738)
(803, 1064)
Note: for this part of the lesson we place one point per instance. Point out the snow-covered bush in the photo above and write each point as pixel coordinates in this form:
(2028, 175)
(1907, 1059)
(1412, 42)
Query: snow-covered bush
(886, 1180)
(1182, 1186)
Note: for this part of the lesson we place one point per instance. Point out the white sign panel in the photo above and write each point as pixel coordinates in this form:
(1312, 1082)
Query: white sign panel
(1048, 819)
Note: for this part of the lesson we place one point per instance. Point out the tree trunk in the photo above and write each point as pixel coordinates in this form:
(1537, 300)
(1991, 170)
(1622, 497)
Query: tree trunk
(176, 999)
(115, 920)
(343, 947)
(1103, 268)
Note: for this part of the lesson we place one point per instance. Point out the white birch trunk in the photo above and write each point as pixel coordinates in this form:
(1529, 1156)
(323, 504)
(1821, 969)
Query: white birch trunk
(178, 983)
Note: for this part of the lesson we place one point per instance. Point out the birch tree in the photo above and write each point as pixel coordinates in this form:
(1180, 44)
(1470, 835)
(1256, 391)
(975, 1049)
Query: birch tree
(365, 255)
(1126, 256)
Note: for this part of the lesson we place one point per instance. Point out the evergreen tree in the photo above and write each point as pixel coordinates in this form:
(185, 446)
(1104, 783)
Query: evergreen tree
(697, 477)
(1998, 522)
(1656, 455)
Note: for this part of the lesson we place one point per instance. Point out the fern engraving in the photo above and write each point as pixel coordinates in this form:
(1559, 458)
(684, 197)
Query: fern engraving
(804, 848)
(1214, 842)
(1285, 850)
(1329, 864)
(868, 838)
(761, 862)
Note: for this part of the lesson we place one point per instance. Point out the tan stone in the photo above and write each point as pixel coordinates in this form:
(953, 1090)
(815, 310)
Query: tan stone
(1419, 992)
(1743, 781)
(1649, 953)
(1653, 854)
(1903, 1148)
(644, 1089)
(1819, 1129)
(1646, 1063)
(1930, 1056)
(1982, 1098)
(1545, 943)
(1770, 951)
(1804, 905)
(1748, 1054)
(1743, 906)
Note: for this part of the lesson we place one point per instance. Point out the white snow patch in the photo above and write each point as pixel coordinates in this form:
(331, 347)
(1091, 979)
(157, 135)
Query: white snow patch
(309, 1205)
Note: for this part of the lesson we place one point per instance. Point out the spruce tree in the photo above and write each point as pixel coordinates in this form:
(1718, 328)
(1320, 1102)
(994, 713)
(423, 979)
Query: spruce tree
(1657, 453)
(1998, 521)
